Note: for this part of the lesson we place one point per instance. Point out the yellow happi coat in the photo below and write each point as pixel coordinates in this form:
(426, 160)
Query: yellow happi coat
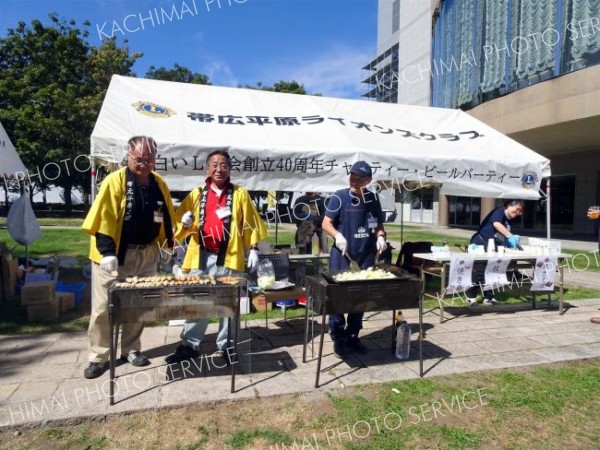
(108, 210)
(247, 228)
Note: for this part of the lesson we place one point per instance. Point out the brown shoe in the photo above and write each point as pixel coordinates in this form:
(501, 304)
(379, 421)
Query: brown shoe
(595, 320)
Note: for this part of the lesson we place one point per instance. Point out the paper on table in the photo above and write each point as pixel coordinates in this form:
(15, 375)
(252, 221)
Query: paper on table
(495, 272)
(544, 274)
(460, 276)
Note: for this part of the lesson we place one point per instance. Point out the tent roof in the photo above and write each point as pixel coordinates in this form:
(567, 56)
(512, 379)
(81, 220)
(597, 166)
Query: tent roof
(301, 142)
(10, 163)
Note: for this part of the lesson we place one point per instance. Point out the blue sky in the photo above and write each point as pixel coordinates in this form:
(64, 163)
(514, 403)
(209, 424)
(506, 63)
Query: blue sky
(320, 43)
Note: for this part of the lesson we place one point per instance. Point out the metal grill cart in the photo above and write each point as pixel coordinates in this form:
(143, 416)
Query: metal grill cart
(134, 304)
(326, 296)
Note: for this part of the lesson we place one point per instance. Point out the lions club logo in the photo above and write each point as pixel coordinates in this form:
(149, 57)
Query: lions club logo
(529, 179)
(153, 110)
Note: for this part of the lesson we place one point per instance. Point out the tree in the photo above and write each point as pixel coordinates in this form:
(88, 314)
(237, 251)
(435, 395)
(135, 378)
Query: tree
(290, 87)
(177, 73)
(52, 83)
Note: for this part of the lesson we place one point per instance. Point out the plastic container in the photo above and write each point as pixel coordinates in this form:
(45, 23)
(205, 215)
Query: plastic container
(402, 337)
(76, 288)
(266, 274)
(285, 303)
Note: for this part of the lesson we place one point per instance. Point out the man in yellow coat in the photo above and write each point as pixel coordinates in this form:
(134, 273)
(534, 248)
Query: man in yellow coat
(220, 224)
(130, 224)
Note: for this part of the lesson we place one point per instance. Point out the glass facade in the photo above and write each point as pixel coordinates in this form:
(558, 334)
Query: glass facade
(483, 49)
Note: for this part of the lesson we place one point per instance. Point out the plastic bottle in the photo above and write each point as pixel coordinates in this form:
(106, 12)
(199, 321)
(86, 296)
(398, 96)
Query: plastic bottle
(491, 247)
(315, 244)
(158, 214)
(402, 337)
(324, 246)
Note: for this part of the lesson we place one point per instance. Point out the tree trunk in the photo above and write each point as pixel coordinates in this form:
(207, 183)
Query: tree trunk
(68, 199)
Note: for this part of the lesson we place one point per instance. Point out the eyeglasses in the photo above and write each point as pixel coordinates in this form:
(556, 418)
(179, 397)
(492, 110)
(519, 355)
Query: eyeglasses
(141, 162)
(222, 166)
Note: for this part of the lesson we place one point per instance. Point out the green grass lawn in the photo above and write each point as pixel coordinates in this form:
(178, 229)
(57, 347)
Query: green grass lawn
(552, 406)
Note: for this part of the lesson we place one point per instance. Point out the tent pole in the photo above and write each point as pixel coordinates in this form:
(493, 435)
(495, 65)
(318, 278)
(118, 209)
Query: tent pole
(402, 220)
(548, 197)
(276, 219)
(548, 208)
(93, 179)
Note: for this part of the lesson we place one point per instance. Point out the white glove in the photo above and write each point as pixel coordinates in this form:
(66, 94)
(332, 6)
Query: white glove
(381, 244)
(109, 263)
(188, 219)
(177, 270)
(340, 242)
(252, 261)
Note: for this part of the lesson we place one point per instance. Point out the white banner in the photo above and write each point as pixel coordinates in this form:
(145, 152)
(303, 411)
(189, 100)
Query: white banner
(460, 276)
(495, 272)
(544, 274)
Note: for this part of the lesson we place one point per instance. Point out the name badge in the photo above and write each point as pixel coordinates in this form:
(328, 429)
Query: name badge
(158, 217)
(372, 222)
(223, 212)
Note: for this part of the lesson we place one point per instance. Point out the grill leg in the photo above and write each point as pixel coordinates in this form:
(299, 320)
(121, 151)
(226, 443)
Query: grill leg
(421, 336)
(114, 337)
(323, 315)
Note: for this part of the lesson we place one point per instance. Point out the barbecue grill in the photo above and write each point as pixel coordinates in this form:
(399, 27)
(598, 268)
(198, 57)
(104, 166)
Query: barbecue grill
(173, 301)
(327, 296)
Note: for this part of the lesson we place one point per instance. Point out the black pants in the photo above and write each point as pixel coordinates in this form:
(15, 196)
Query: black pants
(478, 279)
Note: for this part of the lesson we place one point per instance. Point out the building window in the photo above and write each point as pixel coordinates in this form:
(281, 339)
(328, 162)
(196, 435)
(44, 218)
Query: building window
(464, 211)
(396, 16)
(562, 201)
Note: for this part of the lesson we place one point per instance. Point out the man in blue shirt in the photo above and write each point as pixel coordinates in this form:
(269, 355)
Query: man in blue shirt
(353, 217)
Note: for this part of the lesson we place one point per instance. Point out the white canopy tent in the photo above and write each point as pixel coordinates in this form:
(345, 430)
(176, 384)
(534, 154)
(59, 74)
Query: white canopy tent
(301, 142)
(21, 222)
(11, 165)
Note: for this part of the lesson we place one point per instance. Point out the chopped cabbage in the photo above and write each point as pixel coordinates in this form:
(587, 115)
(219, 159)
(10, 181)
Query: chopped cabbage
(368, 274)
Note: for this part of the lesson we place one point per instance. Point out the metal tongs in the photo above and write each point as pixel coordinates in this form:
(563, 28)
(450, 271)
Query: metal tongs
(354, 267)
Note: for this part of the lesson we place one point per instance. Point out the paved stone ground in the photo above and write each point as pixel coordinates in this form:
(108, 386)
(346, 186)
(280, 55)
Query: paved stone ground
(42, 375)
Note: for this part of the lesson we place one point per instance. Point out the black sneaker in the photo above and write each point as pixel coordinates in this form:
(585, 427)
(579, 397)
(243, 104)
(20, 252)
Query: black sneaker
(182, 353)
(354, 344)
(136, 359)
(94, 370)
(339, 348)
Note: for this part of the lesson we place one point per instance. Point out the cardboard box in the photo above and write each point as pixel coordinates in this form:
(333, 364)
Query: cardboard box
(9, 277)
(259, 303)
(43, 313)
(38, 293)
(66, 301)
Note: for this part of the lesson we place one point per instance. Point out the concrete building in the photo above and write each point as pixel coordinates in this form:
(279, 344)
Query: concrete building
(527, 68)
